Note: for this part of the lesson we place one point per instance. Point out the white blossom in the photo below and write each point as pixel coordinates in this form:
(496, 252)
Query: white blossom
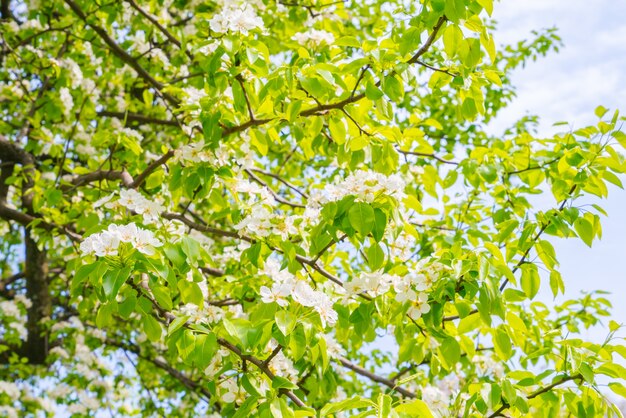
(376, 283)
(106, 243)
(233, 18)
(67, 101)
(277, 293)
(10, 389)
(314, 37)
(420, 306)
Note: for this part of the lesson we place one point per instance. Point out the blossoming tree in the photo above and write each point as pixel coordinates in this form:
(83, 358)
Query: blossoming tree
(288, 209)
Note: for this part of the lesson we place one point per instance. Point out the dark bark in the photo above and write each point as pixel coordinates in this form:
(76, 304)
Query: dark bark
(36, 271)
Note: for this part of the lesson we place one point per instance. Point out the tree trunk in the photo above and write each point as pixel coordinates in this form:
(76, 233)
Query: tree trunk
(36, 272)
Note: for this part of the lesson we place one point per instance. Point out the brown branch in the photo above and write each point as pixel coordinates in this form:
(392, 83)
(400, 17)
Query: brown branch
(100, 175)
(137, 117)
(168, 317)
(261, 366)
(376, 378)
(430, 67)
(212, 271)
(121, 53)
(505, 405)
(176, 374)
(155, 22)
(283, 181)
(429, 41)
(273, 354)
(204, 228)
(151, 167)
(276, 195)
(427, 155)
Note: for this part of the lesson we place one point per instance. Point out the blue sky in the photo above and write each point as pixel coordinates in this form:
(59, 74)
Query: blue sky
(589, 71)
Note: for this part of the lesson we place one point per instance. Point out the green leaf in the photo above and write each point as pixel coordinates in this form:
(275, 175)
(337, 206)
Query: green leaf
(205, 348)
(455, 10)
(375, 256)
(113, 280)
(372, 92)
(556, 283)
(190, 292)
(618, 389)
(152, 328)
(384, 405)
(362, 219)
(417, 408)
(380, 224)
(83, 273)
(584, 229)
(530, 280)
(105, 315)
(348, 41)
(285, 321)
(176, 324)
(355, 402)
(162, 296)
(469, 323)
(487, 5)
(546, 253)
(452, 39)
(393, 88)
(282, 383)
(450, 352)
(502, 344)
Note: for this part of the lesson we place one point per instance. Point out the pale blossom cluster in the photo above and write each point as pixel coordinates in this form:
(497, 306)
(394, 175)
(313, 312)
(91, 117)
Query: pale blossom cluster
(67, 101)
(231, 392)
(364, 185)
(414, 286)
(216, 362)
(236, 19)
(281, 365)
(106, 243)
(286, 285)
(437, 400)
(136, 202)
(263, 223)
(193, 95)
(375, 283)
(314, 37)
(488, 366)
(192, 153)
(402, 247)
(333, 348)
(10, 389)
(15, 312)
(139, 42)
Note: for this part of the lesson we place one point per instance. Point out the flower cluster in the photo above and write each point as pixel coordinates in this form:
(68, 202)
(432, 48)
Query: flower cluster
(314, 37)
(413, 287)
(67, 100)
(106, 243)
(15, 312)
(437, 400)
(488, 366)
(364, 185)
(285, 284)
(375, 283)
(136, 202)
(262, 223)
(237, 19)
(193, 153)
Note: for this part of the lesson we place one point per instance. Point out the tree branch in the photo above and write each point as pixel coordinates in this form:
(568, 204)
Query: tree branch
(374, 377)
(536, 393)
(121, 53)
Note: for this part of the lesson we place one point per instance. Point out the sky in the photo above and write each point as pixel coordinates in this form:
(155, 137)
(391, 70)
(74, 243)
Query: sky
(590, 70)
